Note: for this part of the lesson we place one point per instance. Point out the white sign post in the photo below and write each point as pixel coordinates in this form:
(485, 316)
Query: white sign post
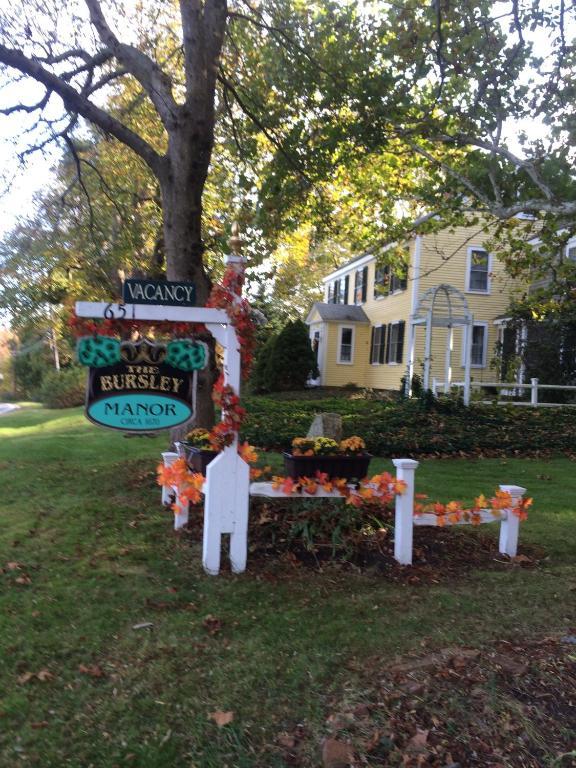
(227, 486)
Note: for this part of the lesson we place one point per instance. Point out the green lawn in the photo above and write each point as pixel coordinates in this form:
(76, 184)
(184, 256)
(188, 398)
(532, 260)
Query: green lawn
(87, 553)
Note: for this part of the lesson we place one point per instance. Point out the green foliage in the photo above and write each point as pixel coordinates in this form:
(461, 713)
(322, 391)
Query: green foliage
(29, 370)
(64, 389)
(415, 427)
(260, 377)
(287, 361)
(83, 528)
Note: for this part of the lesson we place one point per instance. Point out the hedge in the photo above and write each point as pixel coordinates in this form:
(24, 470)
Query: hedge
(412, 428)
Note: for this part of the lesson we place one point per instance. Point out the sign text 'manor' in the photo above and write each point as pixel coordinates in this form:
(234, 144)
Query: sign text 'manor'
(171, 294)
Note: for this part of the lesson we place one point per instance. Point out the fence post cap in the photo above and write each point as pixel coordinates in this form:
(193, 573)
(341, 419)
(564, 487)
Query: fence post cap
(405, 463)
(514, 490)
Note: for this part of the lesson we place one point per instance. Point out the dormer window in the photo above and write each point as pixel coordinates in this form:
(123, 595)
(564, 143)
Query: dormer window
(360, 285)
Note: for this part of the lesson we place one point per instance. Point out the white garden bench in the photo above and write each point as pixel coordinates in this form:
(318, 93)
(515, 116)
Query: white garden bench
(404, 518)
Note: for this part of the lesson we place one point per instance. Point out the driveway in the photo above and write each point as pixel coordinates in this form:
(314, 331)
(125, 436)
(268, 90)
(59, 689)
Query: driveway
(7, 407)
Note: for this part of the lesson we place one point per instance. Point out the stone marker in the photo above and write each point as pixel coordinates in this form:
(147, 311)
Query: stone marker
(326, 425)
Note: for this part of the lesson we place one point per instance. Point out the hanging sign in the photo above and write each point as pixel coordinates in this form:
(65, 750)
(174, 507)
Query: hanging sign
(170, 294)
(140, 398)
(141, 386)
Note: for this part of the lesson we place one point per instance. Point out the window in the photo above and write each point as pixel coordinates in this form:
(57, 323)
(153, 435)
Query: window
(395, 343)
(360, 285)
(386, 281)
(377, 347)
(571, 252)
(338, 291)
(479, 346)
(478, 273)
(346, 345)
(381, 281)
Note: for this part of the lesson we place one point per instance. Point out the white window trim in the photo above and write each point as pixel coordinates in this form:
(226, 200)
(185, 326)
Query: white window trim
(469, 267)
(352, 344)
(484, 324)
(381, 325)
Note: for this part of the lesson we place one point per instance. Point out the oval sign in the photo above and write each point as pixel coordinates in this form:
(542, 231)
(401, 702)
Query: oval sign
(139, 412)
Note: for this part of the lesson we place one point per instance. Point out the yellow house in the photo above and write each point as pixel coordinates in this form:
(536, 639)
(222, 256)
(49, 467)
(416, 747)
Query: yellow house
(367, 331)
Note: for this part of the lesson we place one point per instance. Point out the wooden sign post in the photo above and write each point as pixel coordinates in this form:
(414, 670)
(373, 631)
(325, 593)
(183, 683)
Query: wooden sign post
(227, 486)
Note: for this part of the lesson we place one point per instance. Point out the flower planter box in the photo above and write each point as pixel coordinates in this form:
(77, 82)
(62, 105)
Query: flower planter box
(349, 467)
(196, 458)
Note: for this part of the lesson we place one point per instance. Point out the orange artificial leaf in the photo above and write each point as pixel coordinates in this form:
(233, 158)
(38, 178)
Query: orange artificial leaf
(221, 718)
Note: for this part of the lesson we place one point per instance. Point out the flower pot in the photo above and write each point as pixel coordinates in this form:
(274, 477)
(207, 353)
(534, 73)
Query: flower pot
(348, 467)
(196, 458)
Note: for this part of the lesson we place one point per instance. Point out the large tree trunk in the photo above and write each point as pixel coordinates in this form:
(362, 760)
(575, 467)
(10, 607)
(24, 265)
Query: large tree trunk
(182, 183)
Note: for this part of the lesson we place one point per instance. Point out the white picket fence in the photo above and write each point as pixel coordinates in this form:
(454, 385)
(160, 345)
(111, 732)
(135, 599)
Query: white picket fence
(509, 389)
(404, 518)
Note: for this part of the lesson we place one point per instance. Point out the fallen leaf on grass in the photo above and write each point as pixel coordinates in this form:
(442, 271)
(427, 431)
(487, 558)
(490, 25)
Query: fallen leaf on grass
(24, 579)
(143, 625)
(40, 724)
(14, 566)
(286, 740)
(418, 742)
(221, 718)
(43, 676)
(92, 670)
(336, 754)
(212, 624)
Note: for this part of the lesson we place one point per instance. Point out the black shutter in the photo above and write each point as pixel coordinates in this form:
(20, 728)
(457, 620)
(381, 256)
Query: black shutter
(388, 337)
(400, 345)
(346, 283)
(372, 335)
(383, 338)
(364, 283)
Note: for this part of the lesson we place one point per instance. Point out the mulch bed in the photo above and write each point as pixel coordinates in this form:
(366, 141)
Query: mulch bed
(512, 705)
(440, 553)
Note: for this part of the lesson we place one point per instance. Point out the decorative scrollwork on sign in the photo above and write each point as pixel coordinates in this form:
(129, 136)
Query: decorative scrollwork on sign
(143, 351)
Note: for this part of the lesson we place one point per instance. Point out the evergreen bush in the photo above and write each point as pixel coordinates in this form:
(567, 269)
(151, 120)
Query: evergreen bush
(65, 388)
(290, 361)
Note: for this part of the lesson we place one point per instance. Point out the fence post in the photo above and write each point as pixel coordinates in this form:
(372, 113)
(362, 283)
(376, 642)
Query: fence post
(404, 513)
(434, 385)
(510, 525)
(534, 392)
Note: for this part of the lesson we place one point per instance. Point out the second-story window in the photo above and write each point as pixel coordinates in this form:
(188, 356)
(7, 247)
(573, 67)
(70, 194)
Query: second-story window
(360, 285)
(478, 277)
(338, 291)
(387, 281)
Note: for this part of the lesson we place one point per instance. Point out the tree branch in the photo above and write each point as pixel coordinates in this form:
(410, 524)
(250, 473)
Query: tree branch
(155, 82)
(77, 103)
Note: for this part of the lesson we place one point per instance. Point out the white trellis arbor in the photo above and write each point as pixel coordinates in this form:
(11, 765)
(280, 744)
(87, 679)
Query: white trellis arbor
(442, 307)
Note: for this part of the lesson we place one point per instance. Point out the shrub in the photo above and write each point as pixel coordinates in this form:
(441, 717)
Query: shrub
(291, 361)
(413, 428)
(65, 388)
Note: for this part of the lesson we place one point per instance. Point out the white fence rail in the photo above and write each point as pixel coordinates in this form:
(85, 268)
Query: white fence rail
(511, 389)
(404, 517)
